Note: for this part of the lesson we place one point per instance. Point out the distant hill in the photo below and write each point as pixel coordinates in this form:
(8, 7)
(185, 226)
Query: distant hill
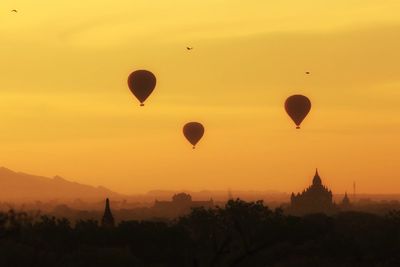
(17, 186)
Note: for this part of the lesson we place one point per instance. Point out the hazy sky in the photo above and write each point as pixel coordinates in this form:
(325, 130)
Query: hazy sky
(66, 108)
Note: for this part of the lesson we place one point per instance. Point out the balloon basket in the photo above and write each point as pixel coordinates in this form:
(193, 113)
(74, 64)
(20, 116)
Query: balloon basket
(141, 104)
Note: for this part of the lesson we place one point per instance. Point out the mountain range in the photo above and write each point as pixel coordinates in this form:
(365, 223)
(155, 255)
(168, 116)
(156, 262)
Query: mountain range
(18, 186)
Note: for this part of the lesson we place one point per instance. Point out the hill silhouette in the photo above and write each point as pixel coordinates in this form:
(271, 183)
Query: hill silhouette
(18, 186)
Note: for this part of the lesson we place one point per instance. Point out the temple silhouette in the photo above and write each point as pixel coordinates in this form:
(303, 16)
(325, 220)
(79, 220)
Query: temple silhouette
(108, 219)
(316, 198)
(181, 204)
(346, 204)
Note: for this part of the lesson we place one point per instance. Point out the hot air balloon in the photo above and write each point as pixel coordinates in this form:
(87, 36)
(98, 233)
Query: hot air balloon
(297, 107)
(142, 83)
(193, 132)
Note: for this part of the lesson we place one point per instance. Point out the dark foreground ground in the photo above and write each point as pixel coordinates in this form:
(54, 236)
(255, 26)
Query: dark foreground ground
(240, 234)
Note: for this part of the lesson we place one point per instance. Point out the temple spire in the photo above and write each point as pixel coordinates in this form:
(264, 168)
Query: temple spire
(317, 179)
(108, 219)
(346, 200)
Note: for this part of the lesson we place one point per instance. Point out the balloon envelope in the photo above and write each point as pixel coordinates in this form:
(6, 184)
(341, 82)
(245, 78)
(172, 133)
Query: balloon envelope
(193, 131)
(142, 83)
(297, 107)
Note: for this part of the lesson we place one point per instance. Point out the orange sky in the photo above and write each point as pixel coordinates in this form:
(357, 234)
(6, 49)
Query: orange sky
(66, 108)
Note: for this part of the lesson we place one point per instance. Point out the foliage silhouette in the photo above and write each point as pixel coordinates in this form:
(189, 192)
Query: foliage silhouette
(239, 234)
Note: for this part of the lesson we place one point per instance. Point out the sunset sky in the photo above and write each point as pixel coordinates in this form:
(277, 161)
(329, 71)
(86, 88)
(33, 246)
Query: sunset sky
(66, 109)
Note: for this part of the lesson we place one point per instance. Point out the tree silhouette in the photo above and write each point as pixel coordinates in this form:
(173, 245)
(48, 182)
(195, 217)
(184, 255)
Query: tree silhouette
(238, 234)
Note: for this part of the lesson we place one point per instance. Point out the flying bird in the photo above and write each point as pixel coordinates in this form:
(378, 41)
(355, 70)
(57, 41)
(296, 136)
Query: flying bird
(14, 10)
(189, 48)
(307, 72)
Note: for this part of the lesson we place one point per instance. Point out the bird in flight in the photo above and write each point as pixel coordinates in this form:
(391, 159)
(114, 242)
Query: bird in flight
(189, 48)
(307, 72)
(14, 10)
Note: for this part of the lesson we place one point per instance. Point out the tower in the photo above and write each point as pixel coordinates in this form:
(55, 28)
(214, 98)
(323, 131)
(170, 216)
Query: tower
(354, 190)
(317, 180)
(108, 219)
(316, 198)
(345, 205)
(346, 200)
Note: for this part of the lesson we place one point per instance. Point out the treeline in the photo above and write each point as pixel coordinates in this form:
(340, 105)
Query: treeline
(239, 234)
